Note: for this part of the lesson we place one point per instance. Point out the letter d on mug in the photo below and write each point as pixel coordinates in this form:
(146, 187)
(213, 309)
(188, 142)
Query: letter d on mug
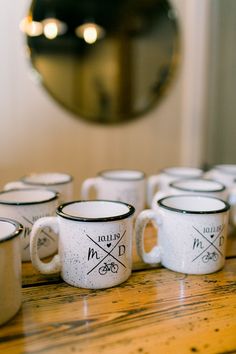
(95, 243)
(192, 233)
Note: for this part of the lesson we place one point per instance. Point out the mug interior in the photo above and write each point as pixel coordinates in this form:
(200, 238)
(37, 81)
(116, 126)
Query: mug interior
(194, 204)
(47, 178)
(125, 175)
(183, 171)
(26, 196)
(95, 210)
(198, 185)
(9, 229)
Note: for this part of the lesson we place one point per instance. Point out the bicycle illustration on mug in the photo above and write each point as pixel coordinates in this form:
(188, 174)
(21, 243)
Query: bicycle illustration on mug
(108, 267)
(210, 256)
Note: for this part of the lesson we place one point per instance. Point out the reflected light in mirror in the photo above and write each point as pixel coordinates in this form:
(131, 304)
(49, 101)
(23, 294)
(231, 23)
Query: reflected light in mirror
(50, 27)
(90, 32)
(31, 28)
(50, 30)
(53, 27)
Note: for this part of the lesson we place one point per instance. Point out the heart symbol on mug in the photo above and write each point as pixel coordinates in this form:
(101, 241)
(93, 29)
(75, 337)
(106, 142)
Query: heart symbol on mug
(212, 236)
(108, 244)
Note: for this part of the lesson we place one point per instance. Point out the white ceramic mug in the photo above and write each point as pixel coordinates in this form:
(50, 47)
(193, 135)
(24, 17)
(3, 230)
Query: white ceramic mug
(198, 186)
(162, 180)
(192, 233)
(60, 182)
(95, 243)
(10, 268)
(128, 186)
(232, 202)
(224, 173)
(26, 206)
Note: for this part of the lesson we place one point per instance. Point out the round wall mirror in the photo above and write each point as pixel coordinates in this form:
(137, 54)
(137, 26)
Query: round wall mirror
(106, 61)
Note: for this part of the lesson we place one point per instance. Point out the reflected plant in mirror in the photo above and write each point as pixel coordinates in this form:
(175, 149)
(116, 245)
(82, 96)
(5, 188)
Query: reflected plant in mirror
(106, 61)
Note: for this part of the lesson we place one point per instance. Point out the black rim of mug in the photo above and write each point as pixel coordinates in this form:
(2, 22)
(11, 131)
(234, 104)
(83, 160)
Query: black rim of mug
(220, 189)
(183, 211)
(24, 179)
(140, 175)
(19, 228)
(8, 202)
(61, 213)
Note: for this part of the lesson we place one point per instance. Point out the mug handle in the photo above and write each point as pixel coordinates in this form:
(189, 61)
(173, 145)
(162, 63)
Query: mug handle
(209, 174)
(157, 196)
(15, 185)
(153, 183)
(54, 265)
(87, 185)
(148, 215)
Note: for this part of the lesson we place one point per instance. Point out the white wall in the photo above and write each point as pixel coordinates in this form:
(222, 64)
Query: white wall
(221, 142)
(39, 135)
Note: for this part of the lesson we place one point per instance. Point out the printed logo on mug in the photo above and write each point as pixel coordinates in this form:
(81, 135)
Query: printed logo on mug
(95, 243)
(192, 233)
(57, 181)
(10, 268)
(26, 206)
(128, 186)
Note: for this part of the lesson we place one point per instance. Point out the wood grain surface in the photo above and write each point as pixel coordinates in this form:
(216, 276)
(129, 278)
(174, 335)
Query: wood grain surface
(155, 311)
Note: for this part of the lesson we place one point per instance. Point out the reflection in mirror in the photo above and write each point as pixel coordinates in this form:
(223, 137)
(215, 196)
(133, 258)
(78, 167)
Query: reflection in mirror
(106, 61)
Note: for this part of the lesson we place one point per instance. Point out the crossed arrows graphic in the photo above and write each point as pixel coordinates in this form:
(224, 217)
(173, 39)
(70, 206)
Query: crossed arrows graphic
(43, 231)
(210, 243)
(107, 253)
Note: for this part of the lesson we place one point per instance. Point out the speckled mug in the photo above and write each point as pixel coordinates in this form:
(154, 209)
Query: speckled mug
(226, 174)
(10, 268)
(26, 206)
(200, 186)
(160, 181)
(57, 181)
(95, 243)
(192, 233)
(128, 186)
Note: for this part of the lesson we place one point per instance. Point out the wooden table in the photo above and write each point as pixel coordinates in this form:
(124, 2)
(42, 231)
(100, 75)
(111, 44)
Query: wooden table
(155, 311)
